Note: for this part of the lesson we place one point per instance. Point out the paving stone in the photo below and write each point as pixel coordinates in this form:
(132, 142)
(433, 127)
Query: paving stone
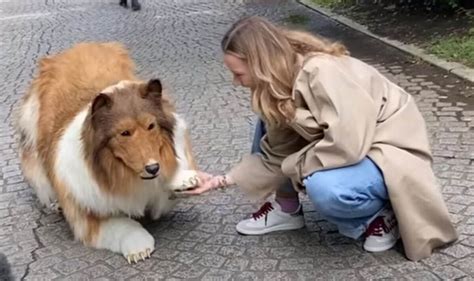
(98, 271)
(217, 275)
(47, 274)
(249, 275)
(188, 257)
(191, 271)
(296, 264)
(236, 264)
(449, 272)
(123, 273)
(409, 267)
(263, 264)
(221, 239)
(78, 277)
(211, 260)
(70, 266)
(208, 249)
(465, 265)
(422, 275)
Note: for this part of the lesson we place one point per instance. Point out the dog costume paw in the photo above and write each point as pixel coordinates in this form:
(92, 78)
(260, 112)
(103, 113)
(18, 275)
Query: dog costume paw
(185, 180)
(135, 257)
(137, 246)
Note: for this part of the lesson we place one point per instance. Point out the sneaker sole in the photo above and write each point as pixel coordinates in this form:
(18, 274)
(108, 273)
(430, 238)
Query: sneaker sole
(381, 248)
(270, 229)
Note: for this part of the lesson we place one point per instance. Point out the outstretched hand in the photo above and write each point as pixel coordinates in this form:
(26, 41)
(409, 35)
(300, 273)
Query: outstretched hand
(206, 182)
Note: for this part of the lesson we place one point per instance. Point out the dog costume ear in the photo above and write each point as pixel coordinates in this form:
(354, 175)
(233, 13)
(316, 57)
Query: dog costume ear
(101, 101)
(154, 87)
(152, 90)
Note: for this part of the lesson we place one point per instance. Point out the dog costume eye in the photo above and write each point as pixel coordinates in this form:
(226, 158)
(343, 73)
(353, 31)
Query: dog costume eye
(125, 133)
(151, 126)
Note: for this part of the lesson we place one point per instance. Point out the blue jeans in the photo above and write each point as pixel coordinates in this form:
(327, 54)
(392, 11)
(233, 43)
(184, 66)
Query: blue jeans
(349, 197)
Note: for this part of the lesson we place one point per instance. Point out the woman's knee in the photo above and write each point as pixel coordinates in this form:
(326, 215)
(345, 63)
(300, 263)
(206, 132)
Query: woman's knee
(323, 191)
(354, 191)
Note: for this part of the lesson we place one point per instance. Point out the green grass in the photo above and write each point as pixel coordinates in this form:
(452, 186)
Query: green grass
(329, 3)
(453, 48)
(297, 19)
(460, 49)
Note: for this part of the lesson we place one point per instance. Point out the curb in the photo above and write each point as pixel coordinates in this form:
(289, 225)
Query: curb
(458, 69)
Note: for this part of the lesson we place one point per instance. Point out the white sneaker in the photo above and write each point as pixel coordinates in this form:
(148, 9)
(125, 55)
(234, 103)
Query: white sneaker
(382, 233)
(271, 218)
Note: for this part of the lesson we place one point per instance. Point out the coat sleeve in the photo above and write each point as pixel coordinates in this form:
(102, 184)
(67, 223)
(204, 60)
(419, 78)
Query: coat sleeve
(344, 108)
(260, 174)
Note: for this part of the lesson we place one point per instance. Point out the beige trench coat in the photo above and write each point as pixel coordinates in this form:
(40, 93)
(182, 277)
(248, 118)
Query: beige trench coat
(347, 110)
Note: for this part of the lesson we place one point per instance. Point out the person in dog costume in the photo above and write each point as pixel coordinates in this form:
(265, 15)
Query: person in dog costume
(335, 128)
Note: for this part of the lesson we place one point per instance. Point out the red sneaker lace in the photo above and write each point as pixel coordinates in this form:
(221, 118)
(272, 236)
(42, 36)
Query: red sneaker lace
(264, 210)
(377, 227)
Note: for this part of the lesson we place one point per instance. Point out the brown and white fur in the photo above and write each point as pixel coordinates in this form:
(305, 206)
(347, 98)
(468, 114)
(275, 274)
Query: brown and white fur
(104, 145)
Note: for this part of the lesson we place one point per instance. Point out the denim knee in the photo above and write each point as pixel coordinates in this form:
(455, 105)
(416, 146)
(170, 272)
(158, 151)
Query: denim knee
(349, 192)
(322, 195)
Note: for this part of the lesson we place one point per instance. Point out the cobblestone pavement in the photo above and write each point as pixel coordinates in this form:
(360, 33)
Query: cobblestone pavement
(178, 41)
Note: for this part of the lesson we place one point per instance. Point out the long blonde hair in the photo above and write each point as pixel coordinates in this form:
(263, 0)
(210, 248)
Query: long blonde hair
(271, 54)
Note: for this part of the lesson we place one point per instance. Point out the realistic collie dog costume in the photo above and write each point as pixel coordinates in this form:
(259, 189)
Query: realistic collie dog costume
(104, 145)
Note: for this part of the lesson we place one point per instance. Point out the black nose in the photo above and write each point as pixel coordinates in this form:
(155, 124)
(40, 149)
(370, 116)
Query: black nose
(152, 169)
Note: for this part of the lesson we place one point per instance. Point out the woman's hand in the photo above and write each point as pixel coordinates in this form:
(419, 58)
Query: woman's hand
(207, 182)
